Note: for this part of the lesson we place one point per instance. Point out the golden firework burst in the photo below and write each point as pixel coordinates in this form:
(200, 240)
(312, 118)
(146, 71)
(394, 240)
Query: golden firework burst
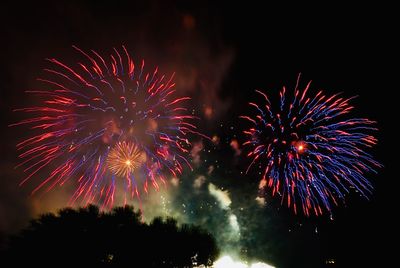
(124, 158)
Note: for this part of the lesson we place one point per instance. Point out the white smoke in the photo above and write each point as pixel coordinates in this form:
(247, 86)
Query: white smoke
(199, 181)
(221, 196)
(224, 202)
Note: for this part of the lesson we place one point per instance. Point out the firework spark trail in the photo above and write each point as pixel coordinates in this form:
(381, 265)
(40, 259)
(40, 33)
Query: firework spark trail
(309, 152)
(99, 121)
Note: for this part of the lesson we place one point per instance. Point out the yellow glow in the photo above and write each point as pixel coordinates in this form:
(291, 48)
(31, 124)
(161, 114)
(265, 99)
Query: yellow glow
(300, 146)
(124, 158)
(228, 262)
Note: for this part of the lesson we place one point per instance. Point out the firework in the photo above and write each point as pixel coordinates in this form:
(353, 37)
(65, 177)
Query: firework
(309, 149)
(102, 121)
(125, 158)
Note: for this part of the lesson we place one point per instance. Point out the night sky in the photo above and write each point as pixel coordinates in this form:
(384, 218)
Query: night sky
(221, 53)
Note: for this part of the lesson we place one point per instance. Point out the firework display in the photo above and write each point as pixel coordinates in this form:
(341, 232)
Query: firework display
(102, 123)
(310, 150)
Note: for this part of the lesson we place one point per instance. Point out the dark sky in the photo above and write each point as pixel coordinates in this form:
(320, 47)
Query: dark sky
(221, 53)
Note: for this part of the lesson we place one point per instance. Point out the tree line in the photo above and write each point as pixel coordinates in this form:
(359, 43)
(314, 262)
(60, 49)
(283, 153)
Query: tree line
(118, 238)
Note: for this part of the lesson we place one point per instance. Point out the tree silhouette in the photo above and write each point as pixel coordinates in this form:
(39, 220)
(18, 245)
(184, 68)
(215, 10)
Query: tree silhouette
(118, 238)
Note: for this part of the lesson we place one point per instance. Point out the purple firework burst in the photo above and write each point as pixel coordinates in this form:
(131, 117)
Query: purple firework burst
(311, 151)
(103, 123)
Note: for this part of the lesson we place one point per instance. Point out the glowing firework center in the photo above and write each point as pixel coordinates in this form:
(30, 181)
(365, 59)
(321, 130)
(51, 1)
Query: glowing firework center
(124, 158)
